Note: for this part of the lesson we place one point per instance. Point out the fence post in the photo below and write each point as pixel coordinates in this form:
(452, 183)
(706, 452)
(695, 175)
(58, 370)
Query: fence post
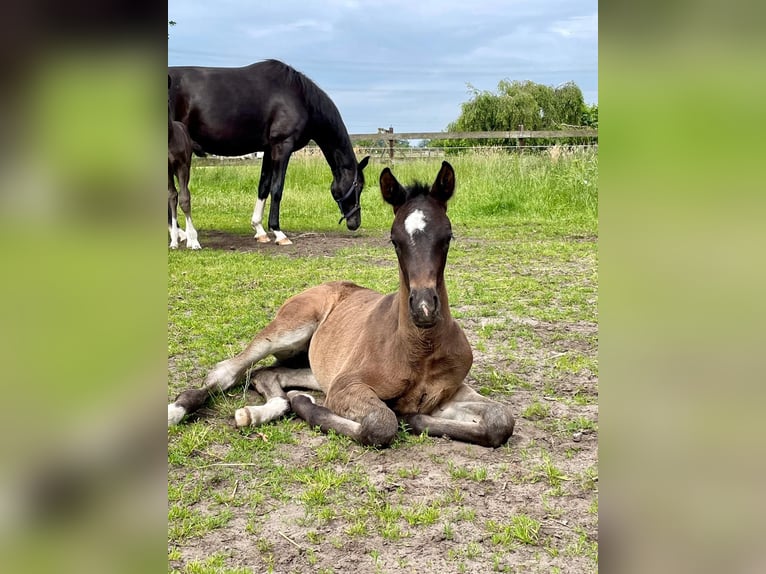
(390, 143)
(521, 139)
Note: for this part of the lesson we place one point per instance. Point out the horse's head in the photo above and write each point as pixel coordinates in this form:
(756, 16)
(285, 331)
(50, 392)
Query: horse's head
(346, 189)
(421, 235)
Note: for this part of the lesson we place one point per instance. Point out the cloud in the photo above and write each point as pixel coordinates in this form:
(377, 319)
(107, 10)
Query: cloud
(298, 26)
(580, 27)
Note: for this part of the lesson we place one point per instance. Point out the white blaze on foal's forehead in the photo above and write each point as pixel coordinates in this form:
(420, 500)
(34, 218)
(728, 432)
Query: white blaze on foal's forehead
(416, 221)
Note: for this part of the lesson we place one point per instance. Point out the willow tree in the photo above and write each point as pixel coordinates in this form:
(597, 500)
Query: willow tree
(518, 103)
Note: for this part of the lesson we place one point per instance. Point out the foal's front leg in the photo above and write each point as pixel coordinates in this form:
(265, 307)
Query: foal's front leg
(352, 409)
(468, 417)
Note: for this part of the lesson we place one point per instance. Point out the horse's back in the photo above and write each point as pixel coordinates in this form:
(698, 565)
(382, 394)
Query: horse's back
(230, 111)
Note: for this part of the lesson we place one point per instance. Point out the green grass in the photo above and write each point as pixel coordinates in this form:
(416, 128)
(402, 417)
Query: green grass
(521, 528)
(522, 278)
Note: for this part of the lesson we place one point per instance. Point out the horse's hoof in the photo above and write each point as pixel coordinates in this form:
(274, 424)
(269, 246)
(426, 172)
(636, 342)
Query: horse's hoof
(242, 418)
(284, 241)
(195, 245)
(262, 238)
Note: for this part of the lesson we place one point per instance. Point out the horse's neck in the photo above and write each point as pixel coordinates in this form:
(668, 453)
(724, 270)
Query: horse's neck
(336, 146)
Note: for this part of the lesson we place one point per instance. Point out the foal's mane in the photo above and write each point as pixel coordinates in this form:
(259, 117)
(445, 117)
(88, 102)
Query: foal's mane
(416, 189)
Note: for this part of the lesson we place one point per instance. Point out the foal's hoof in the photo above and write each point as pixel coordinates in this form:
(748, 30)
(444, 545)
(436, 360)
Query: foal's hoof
(284, 241)
(262, 238)
(242, 418)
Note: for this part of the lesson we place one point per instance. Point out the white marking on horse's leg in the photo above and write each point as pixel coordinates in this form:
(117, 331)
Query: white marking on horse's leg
(191, 235)
(175, 414)
(173, 227)
(222, 377)
(281, 238)
(258, 415)
(415, 222)
(291, 394)
(260, 233)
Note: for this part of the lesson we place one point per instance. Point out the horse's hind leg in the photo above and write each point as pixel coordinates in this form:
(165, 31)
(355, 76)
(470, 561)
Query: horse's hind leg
(172, 209)
(280, 157)
(185, 200)
(289, 333)
(468, 417)
(271, 382)
(264, 185)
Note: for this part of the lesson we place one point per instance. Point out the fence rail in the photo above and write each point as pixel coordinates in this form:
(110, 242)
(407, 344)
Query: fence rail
(521, 134)
(391, 138)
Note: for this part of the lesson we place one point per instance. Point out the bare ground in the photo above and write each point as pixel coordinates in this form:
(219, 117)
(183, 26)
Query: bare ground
(283, 535)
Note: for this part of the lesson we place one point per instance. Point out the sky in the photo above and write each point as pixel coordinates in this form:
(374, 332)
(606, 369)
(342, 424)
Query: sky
(405, 64)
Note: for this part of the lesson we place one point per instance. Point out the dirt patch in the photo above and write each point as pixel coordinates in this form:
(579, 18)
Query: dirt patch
(304, 244)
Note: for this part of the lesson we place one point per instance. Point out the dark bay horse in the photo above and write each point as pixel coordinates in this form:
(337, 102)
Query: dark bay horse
(179, 166)
(378, 359)
(270, 107)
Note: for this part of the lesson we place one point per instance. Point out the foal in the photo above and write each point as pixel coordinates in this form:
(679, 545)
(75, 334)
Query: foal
(379, 359)
(179, 165)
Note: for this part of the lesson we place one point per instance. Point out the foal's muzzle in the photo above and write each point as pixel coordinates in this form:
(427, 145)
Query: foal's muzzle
(424, 307)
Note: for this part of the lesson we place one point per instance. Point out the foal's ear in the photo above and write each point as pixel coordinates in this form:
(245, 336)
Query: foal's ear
(392, 192)
(444, 186)
(363, 163)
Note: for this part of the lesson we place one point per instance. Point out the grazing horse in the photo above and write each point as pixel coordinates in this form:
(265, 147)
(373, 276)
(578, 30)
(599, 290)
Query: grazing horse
(378, 358)
(179, 166)
(268, 106)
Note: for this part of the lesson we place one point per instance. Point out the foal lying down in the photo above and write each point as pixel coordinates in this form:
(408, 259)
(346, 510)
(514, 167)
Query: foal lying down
(378, 358)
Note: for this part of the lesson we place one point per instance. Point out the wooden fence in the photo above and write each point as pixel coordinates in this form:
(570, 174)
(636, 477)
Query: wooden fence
(390, 138)
(520, 135)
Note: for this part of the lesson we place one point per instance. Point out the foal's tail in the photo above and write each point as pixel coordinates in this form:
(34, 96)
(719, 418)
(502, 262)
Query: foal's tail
(197, 149)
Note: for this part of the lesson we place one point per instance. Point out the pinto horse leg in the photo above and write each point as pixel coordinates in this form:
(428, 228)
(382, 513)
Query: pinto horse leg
(288, 334)
(172, 209)
(264, 187)
(467, 417)
(185, 200)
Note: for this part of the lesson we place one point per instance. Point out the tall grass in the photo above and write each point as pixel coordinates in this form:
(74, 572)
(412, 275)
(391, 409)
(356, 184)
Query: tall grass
(493, 189)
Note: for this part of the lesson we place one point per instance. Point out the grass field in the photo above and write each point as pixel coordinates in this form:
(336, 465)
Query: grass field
(522, 279)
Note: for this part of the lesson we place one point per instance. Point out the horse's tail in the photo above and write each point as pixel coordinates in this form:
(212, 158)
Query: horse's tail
(197, 149)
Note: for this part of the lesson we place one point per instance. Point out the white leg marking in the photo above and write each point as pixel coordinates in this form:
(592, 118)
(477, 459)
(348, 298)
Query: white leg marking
(415, 222)
(281, 238)
(258, 415)
(175, 414)
(291, 394)
(191, 235)
(173, 233)
(260, 233)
